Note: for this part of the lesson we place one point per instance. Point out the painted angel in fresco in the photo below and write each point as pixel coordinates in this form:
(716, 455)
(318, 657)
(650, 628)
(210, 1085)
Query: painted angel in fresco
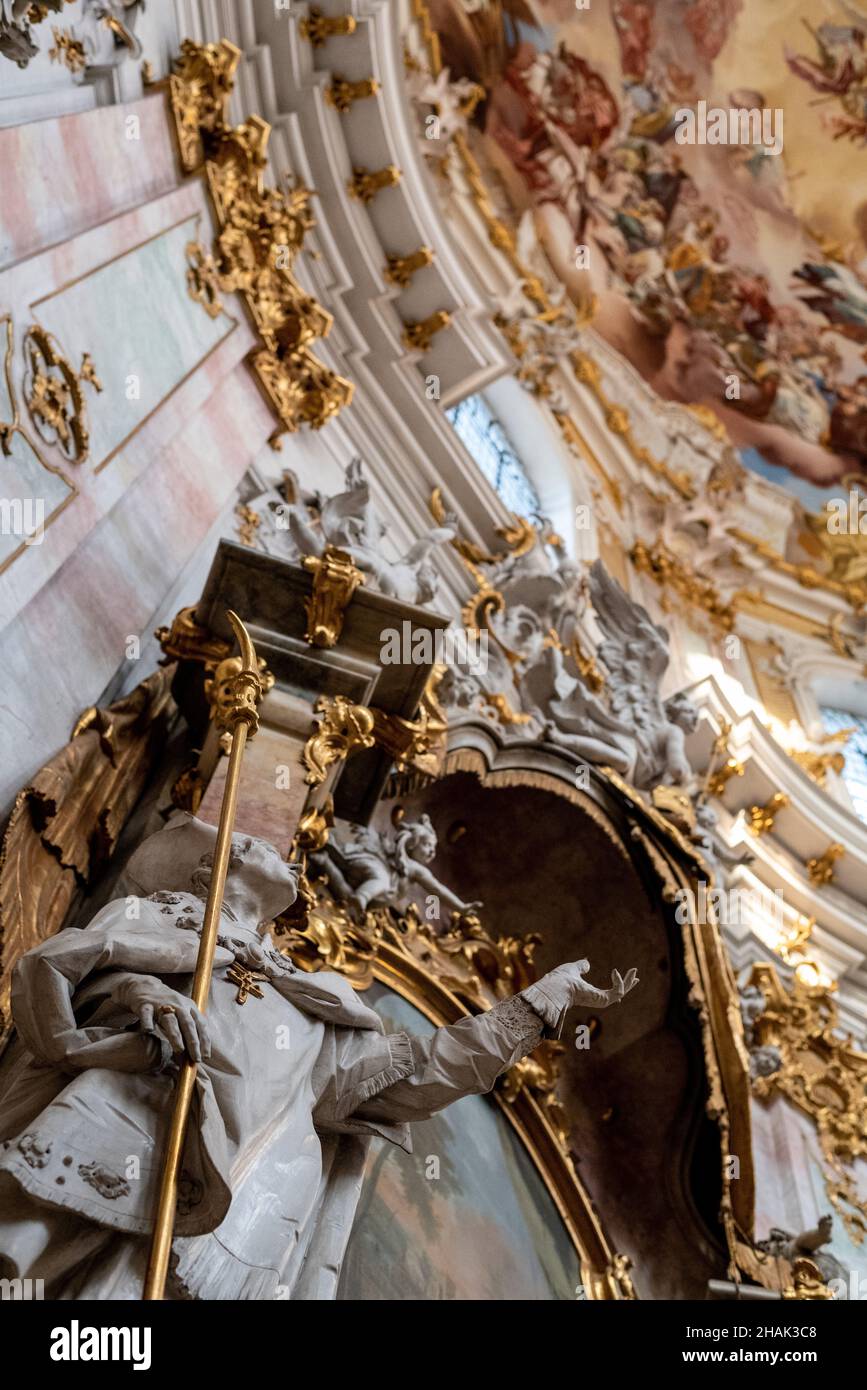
(838, 70)
(295, 1075)
(838, 294)
(635, 732)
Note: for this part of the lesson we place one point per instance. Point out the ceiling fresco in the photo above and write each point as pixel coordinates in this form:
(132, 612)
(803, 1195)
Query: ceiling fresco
(726, 260)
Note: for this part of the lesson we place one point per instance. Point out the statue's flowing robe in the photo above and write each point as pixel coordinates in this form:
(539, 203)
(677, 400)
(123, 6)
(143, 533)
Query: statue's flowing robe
(296, 1084)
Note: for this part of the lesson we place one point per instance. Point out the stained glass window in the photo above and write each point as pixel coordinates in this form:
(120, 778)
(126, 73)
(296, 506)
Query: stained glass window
(854, 752)
(490, 446)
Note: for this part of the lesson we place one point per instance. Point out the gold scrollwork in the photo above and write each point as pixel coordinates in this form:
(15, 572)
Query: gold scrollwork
(335, 580)
(818, 765)
(317, 27)
(365, 184)
(670, 573)
(821, 868)
(413, 743)
(261, 232)
(11, 428)
(343, 727)
(341, 93)
(189, 640)
(54, 394)
(399, 270)
(67, 50)
(761, 819)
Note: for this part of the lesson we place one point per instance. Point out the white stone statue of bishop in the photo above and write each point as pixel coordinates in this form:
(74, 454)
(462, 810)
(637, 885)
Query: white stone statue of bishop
(295, 1075)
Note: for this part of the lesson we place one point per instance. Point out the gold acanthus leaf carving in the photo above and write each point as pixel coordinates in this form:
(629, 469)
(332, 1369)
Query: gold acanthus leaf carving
(821, 868)
(761, 819)
(418, 337)
(189, 640)
(417, 744)
(399, 270)
(365, 184)
(202, 279)
(818, 765)
(67, 50)
(261, 231)
(673, 575)
(318, 28)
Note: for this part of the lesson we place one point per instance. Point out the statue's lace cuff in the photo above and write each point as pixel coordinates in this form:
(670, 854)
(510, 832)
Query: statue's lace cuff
(520, 1019)
(548, 1007)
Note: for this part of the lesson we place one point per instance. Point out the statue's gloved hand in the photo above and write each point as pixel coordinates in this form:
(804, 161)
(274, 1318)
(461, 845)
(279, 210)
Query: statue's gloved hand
(165, 1013)
(565, 986)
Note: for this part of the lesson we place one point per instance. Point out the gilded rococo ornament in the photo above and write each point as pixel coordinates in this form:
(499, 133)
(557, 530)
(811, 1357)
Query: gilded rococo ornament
(261, 232)
(335, 580)
(795, 1035)
(342, 728)
(318, 28)
(418, 337)
(54, 393)
(66, 823)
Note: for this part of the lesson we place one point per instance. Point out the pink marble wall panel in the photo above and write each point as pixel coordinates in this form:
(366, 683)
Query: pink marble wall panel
(61, 652)
(267, 806)
(790, 1185)
(62, 176)
(22, 292)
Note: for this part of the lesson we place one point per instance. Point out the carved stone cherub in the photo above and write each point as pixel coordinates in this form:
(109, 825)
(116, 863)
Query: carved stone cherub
(350, 521)
(783, 1245)
(295, 1073)
(368, 866)
(636, 733)
(765, 1058)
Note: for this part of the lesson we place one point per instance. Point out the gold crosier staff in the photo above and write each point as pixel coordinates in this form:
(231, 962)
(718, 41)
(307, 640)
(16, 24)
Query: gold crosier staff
(237, 713)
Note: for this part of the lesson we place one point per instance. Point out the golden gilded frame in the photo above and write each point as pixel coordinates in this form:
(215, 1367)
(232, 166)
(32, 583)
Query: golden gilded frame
(446, 975)
(678, 868)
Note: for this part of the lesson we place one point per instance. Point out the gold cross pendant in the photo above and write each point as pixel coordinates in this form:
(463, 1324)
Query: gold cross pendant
(246, 981)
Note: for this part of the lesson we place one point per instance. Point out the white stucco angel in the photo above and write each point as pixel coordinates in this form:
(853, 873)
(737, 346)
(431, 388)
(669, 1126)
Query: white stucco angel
(367, 866)
(634, 731)
(349, 520)
(295, 1075)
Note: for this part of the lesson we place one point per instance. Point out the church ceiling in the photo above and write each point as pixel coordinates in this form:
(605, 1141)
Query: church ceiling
(731, 275)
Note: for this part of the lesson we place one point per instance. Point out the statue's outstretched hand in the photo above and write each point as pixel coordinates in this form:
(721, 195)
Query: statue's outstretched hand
(165, 1013)
(565, 986)
(588, 995)
(621, 985)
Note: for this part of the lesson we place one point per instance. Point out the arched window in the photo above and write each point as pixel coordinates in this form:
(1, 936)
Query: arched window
(484, 438)
(854, 753)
